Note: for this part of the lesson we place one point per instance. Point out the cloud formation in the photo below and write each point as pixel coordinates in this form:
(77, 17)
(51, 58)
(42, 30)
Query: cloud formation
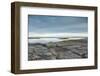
(57, 24)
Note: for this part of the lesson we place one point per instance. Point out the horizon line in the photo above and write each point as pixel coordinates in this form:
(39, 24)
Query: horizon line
(32, 34)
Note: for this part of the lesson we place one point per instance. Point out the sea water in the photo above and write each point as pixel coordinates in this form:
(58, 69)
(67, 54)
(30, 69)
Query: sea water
(46, 40)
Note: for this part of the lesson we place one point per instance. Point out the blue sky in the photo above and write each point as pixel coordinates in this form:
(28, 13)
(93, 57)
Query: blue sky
(57, 24)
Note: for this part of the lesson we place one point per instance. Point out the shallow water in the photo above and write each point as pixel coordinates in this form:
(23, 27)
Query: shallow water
(46, 40)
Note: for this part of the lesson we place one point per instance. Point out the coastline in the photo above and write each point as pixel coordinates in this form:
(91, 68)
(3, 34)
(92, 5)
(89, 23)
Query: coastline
(66, 49)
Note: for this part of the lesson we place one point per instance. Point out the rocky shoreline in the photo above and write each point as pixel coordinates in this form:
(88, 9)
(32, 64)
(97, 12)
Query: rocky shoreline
(72, 49)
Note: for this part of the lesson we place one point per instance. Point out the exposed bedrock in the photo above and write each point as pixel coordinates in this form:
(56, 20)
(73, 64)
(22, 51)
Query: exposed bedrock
(73, 49)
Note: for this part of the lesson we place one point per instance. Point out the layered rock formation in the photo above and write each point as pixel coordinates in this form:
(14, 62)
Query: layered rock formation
(72, 49)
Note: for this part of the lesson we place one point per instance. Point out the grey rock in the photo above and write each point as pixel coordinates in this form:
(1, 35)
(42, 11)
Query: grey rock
(58, 50)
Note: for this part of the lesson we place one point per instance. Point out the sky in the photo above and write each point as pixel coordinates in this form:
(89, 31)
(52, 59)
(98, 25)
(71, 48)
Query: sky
(57, 24)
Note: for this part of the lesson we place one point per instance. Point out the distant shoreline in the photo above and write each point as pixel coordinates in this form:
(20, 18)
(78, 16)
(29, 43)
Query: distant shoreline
(54, 37)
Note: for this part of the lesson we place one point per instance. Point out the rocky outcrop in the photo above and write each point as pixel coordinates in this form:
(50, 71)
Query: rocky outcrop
(72, 49)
